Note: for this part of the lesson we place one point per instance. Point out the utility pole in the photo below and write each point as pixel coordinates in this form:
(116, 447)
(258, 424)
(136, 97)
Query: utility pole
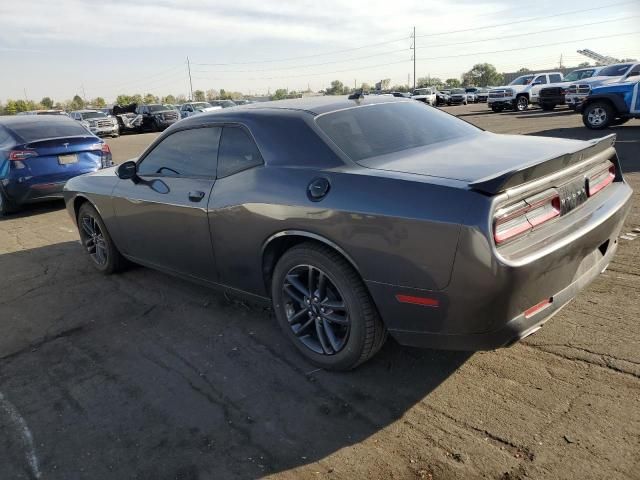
(560, 61)
(190, 82)
(84, 94)
(25, 94)
(413, 47)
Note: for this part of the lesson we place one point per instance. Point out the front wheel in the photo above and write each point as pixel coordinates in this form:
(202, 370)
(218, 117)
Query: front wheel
(97, 242)
(522, 103)
(324, 308)
(597, 115)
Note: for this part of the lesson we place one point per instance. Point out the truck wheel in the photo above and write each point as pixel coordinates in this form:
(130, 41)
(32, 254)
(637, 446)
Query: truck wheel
(522, 103)
(547, 106)
(497, 108)
(597, 115)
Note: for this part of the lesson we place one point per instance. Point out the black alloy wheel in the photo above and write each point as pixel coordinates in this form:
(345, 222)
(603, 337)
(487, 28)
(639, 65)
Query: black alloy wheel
(316, 310)
(324, 307)
(97, 242)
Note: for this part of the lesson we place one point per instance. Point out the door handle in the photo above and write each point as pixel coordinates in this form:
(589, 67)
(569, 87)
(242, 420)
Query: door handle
(196, 196)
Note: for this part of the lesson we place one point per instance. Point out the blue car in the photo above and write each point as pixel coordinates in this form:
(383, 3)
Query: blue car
(612, 104)
(38, 154)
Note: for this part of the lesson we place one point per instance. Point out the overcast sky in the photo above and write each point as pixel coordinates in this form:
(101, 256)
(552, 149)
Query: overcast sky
(58, 47)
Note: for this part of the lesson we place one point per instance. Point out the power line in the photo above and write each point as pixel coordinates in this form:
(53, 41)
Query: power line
(544, 17)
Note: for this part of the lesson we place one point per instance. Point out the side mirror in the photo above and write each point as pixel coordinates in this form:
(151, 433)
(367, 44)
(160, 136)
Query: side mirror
(128, 171)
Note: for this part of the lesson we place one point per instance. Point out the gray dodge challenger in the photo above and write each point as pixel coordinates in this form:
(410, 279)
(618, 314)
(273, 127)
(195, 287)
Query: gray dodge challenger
(362, 217)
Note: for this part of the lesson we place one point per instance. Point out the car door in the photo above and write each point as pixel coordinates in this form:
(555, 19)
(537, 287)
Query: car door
(538, 84)
(162, 216)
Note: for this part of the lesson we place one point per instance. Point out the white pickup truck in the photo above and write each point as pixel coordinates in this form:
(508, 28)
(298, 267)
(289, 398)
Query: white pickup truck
(425, 94)
(577, 92)
(521, 92)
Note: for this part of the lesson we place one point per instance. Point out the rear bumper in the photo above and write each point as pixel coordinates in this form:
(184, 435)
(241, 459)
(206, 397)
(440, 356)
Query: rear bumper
(501, 102)
(483, 306)
(36, 190)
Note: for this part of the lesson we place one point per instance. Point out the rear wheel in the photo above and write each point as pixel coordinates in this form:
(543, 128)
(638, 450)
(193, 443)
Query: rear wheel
(522, 103)
(323, 307)
(597, 115)
(97, 242)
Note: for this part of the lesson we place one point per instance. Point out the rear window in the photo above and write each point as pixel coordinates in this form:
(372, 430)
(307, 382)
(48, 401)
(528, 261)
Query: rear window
(373, 130)
(39, 130)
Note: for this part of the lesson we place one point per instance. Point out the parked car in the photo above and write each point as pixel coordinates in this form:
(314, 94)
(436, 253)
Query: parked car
(426, 95)
(482, 95)
(611, 104)
(619, 72)
(472, 94)
(521, 92)
(458, 96)
(97, 122)
(242, 102)
(553, 95)
(194, 108)
(442, 97)
(39, 154)
(452, 254)
(144, 118)
(400, 94)
(223, 103)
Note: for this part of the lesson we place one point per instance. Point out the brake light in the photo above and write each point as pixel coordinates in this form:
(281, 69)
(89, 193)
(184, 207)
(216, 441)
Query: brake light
(105, 149)
(530, 312)
(17, 155)
(521, 217)
(599, 180)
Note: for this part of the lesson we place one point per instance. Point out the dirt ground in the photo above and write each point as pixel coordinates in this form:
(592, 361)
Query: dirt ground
(144, 376)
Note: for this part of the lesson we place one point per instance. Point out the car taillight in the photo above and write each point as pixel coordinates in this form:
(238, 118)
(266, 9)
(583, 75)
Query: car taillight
(599, 180)
(17, 155)
(521, 217)
(105, 149)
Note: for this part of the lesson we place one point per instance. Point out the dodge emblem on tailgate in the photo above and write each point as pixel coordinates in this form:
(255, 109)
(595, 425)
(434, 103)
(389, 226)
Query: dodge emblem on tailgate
(572, 195)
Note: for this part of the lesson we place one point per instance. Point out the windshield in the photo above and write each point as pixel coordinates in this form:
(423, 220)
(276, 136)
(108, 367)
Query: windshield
(201, 105)
(365, 132)
(471, 90)
(614, 70)
(87, 115)
(458, 90)
(579, 75)
(38, 130)
(156, 108)
(523, 80)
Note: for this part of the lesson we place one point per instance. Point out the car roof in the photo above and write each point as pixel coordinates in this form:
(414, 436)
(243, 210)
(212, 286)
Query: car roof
(11, 120)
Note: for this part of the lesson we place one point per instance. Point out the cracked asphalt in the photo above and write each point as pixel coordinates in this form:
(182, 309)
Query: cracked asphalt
(144, 376)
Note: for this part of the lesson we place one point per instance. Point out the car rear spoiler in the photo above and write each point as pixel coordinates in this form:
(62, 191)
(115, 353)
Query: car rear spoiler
(499, 182)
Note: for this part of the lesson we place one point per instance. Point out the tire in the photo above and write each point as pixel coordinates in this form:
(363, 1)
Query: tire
(6, 207)
(597, 115)
(547, 107)
(347, 329)
(102, 252)
(497, 108)
(521, 103)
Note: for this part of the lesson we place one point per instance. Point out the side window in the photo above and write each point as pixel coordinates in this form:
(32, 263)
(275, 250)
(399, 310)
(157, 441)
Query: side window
(185, 153)
(554, 78)
(238, 152)
(542, 79)
(635, 71)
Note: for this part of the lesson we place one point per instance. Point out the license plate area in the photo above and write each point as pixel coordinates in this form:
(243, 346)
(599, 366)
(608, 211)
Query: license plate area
(67, 159)
(572, 195)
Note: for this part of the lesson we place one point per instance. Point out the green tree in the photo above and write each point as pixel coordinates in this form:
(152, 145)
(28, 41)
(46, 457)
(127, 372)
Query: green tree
(524, 70)
(199, 96)
(11, 108)
(170, 99)
(123, 99)
(181, 99)
(337, 88)
(212, 94)
(483, 75)
(452, 82)
(47, 103)
(77, 103)
(400, 88)
(279, 94)
(365, 87)
(150, 98)
(428, 82)
(98, 102)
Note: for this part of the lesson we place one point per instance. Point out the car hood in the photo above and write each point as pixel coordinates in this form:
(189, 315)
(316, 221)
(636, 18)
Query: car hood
(474, 158)
(515, 88)
(596, 81)
(615, 87)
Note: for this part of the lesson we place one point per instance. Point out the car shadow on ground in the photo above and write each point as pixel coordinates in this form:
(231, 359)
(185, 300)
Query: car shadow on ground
(537, 113)
(627, 141)
(32, 209)
(142, 375)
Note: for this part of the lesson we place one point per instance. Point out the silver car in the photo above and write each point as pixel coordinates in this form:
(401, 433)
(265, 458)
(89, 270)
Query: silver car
(97, 122)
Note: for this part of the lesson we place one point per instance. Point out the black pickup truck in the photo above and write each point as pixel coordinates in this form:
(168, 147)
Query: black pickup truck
(144, 118)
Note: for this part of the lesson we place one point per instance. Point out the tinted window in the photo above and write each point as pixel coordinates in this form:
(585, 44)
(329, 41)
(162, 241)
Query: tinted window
(38, 129)
(614, 70)
(369, 131)
(523, 80)
(185, 153)
(554, 77)
(156, 108)
(634, 72)
(542, 79)
(238, 152)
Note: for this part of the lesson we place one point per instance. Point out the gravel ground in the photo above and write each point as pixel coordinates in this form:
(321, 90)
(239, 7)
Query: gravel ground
(144, 376)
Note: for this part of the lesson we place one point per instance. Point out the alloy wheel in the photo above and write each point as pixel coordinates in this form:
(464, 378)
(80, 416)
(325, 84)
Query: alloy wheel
(93, 240)
(597, 116)
(316, 310)
(522, 103)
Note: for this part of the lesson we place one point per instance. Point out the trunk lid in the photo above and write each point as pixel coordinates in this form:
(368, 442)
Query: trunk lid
(489, 162)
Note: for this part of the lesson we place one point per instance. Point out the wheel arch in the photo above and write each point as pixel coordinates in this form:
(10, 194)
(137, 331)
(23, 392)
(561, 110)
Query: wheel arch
(277, 244)
(614, 101)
